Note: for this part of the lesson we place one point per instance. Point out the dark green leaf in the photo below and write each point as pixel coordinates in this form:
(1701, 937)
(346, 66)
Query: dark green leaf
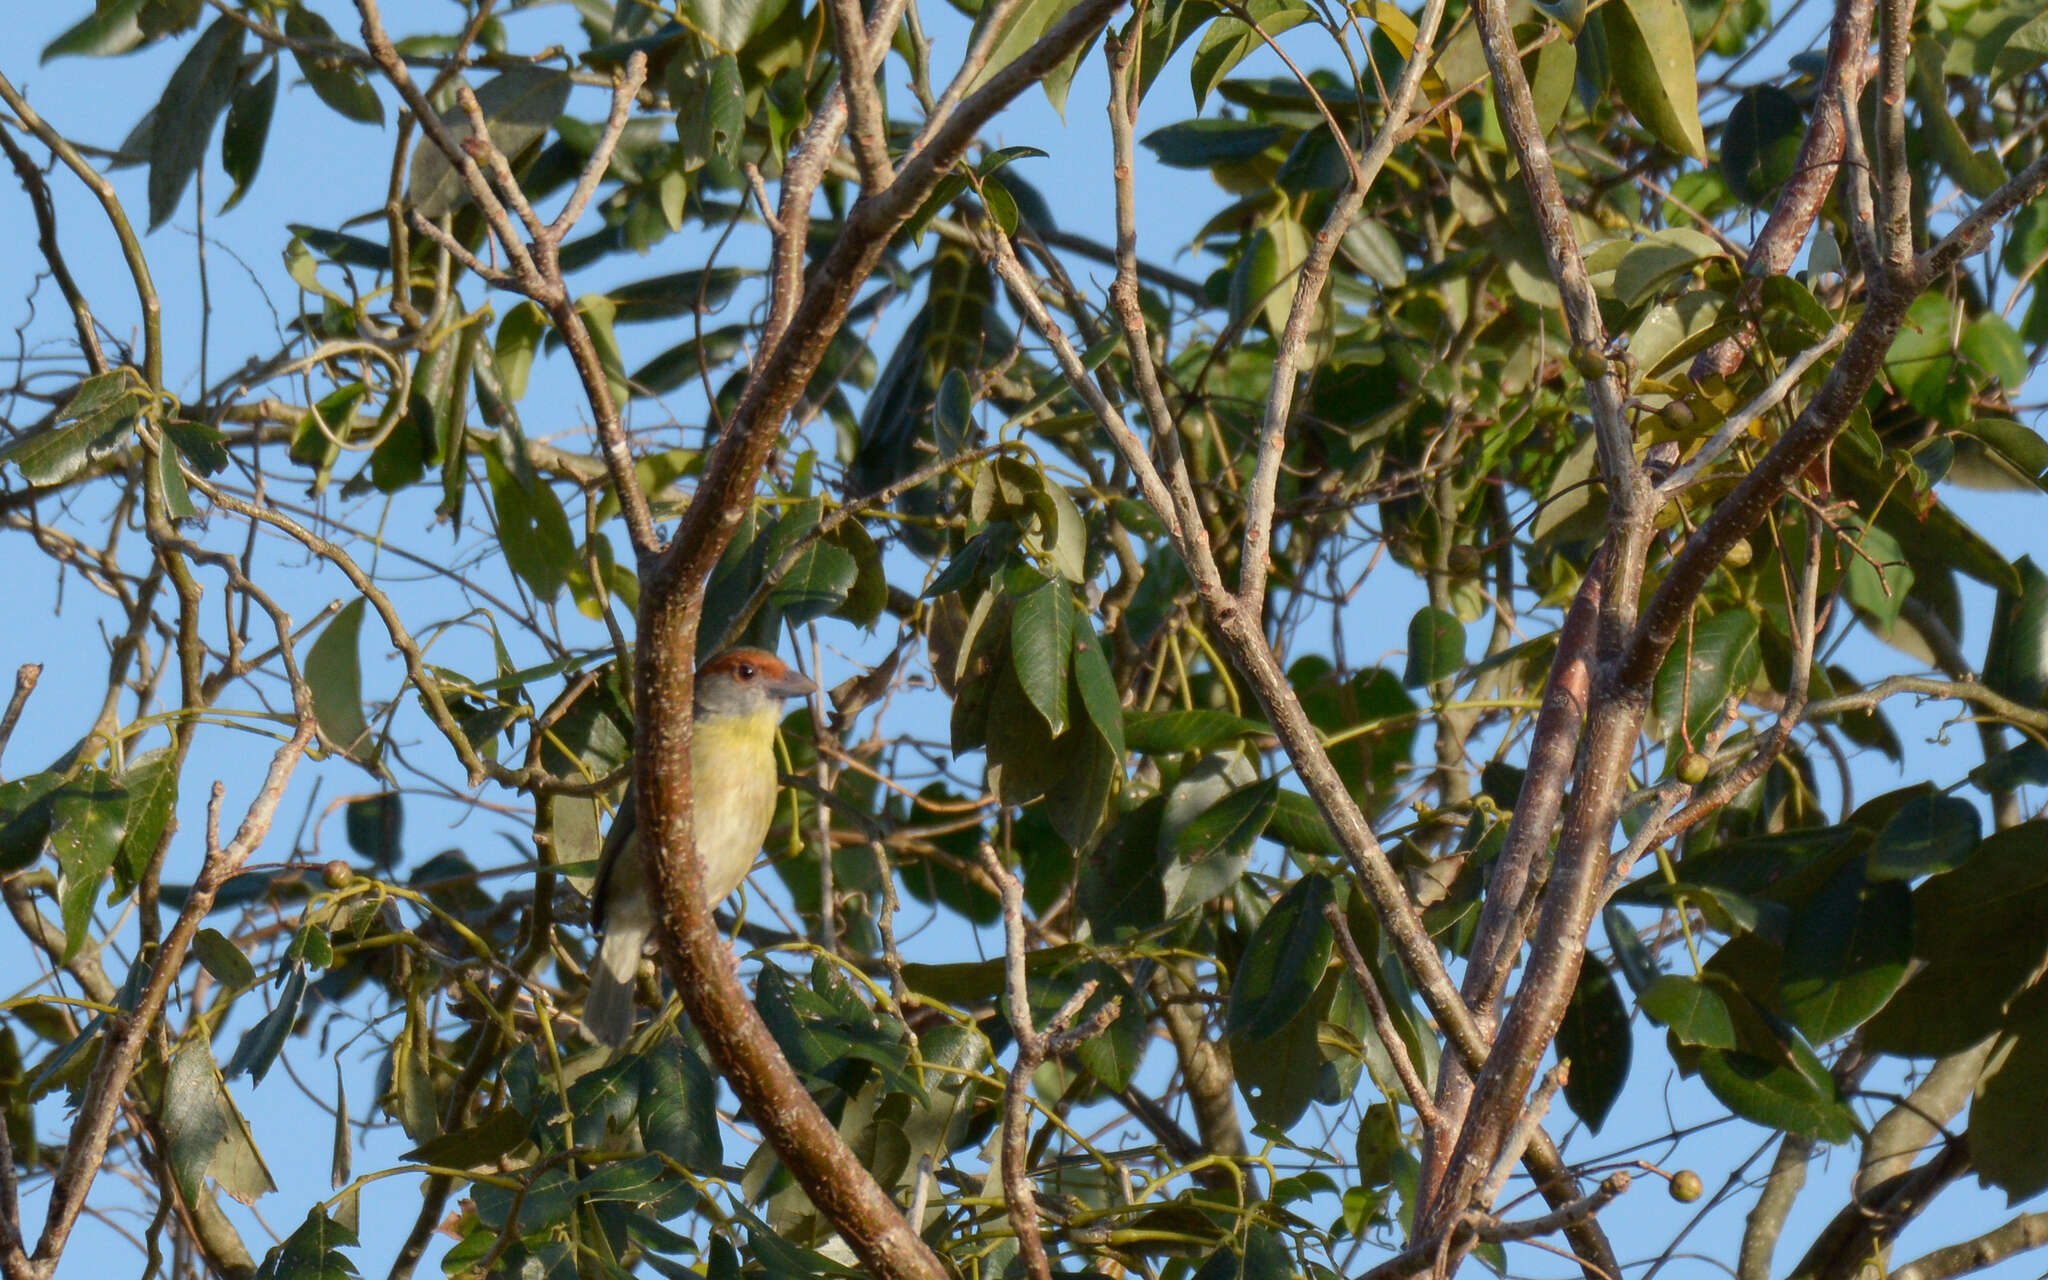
(2017, 661)
(495, 1133)
(2008, 1126)
(1846, 953)
(1282, 1074)
(261, 1043)
(1878, 577)
(223, 959)
(1436, 647)
(343, 87)
(1595, 1037)
(1929, 834)
(1760, 142)
(192, 101)
(1096, 688)
(1696, 1012)
(334, 671)
(817, 584)
(248, 128)
(25, 812)
(1199, 144)
(313, 1252)
(110, 29)
(1211, 852)
(1283, 963)
(1637, 962)
(96, 421)
(376, 828)
(679, 1107)
(1778, 1096)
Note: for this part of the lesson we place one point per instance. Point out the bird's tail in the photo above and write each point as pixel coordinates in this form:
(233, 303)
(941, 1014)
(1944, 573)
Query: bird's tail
(608, 1009)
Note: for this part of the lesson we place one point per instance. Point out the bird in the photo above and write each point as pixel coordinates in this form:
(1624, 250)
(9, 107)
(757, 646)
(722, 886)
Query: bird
(733, 776)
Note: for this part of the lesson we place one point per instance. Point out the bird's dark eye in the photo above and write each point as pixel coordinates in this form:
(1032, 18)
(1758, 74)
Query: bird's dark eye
(746, 671)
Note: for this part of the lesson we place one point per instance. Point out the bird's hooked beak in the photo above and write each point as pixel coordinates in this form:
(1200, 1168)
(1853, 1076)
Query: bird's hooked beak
(790, 684)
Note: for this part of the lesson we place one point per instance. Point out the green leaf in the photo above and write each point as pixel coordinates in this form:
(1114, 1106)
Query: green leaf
(2016, 661)
(1929, 834)
(1637, 962)
(151, 780)
(1595, 1037)
(203, 447)
(709, 96)
(248, 128)
(1042, 629)
(496, 1132)
(1097, 689)
(1208, 855)
(376, 827)
(1118, 891)
(1760, 142)
(729, 24)
(223, 959)
(1202, 143)
(205, 1136)
(2008, 1126)
(816, 584)
(533, 531)
(260, 1044)
(313, 1252)
(1778, 1096)
(1694, 1011)
(25, 811)
(1283, 963)
(1282, 1074)
(519, 105)
(1436, 647)
(1370, 247)
(334, 671)
(1649, 46)
(109, 30)
(185, 116)
(1920, 357)
(1845, 953)
(519, 335)
(1228, 41)
(679, 1107)
(1654, 260)
(1722, 660)
(344, 88)
(1173, 732)
(1877, 589)
(88, 815)
(95, 422)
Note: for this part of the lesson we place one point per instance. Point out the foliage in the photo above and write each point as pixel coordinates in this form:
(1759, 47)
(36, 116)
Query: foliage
(1101, 532)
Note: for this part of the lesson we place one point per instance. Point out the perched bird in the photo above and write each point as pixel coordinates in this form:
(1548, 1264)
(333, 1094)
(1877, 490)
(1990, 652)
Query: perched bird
(733, 775)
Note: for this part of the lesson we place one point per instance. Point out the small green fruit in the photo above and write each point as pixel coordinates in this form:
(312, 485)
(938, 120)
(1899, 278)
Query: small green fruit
(337, 874)
(1739, 554)
(1692, 769)
(1678, 416)
(1588, 360)
(1464, 561)
(1686, 1186)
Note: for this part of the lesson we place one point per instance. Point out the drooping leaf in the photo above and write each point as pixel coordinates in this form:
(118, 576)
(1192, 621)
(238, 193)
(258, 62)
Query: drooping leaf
(205, 1136)
(1595, 1037)
(247, 130)
(1721, 660)
(1649, 45)
(2008, 1131)
(376, 827)
(261, 1044)
(110, 29)
(1041, 647)
(193, 100)
(1283, 963)
(313, 1252)
(1210, 853)
(334, 671)
(533, 530)
(679, 1107)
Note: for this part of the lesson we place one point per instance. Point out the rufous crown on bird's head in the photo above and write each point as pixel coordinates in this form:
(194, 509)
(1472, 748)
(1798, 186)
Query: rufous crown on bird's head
(741, 680)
